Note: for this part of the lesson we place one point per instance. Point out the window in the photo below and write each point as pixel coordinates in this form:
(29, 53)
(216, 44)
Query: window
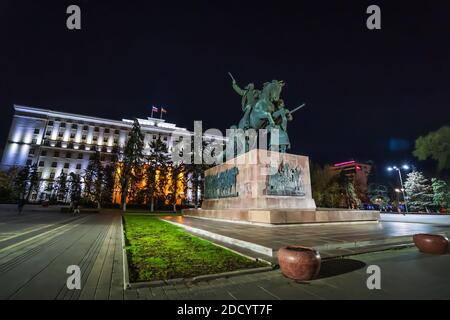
(41, 163)
(34, 141)
(72, 136)
(80, 156)
(78, 166)
(29, 162)
(83, 137)
(105, 140)
(62, 125)
(107, 130)
(54, 164)
(74, 126)
(154, 137)
(43, 153)
(96, 129)
(48, 133)
(60, 134)
(52, 175)
(56, 154)
(165, 138)
(115, 141)
(66, 165)
(116, 131)
(94, 138)
(31, 152)
(68, 155)
(36, 131)
(50, 123)
(85, 127)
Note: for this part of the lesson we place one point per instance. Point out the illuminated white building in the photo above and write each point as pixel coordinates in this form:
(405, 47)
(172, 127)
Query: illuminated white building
(60, 141)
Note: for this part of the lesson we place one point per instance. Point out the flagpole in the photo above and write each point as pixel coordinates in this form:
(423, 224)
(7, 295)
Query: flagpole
(161, 112)
(152, 113)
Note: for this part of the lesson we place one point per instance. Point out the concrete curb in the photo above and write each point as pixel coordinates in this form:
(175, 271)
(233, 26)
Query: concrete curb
(208, 277)
(240, 243)
(126, 277)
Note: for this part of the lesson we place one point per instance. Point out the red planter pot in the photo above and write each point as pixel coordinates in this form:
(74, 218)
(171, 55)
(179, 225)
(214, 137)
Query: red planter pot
(431, 243)
(299, 263)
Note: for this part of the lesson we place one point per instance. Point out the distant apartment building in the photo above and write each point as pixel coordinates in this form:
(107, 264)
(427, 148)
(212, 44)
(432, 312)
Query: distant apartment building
(60, 141)
(357, 172)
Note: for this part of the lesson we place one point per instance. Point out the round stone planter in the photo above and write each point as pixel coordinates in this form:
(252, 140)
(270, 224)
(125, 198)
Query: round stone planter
(299, 263)
(431, 243)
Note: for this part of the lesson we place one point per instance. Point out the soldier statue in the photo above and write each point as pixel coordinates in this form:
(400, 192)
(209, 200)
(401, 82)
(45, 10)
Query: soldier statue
(264, 109)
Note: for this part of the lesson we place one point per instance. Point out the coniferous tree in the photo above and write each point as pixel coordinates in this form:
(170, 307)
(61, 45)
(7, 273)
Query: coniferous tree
(156, 172)
(74, 187)
(61, 187)
(21, 182)
(94, 180)
(441, 194)
(177, 172)
(8, 190)
(378, 194)
(109, 182)
(33, 179)
(419, 192)
(195, 173)
(131, 163)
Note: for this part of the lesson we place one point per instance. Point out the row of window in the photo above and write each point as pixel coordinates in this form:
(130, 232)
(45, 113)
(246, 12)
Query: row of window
(54, 164)
(85, 127)
(83, 137)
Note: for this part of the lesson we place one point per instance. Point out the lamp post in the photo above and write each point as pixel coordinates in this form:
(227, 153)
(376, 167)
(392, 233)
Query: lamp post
(404, 167)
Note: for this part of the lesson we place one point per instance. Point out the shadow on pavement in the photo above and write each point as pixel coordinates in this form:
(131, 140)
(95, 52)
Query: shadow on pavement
(335, 267)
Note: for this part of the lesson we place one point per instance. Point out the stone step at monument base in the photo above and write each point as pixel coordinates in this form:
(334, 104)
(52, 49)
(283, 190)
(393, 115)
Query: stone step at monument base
(284, 216)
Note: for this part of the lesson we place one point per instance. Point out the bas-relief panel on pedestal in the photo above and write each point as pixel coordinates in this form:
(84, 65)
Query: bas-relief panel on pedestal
(287, 181)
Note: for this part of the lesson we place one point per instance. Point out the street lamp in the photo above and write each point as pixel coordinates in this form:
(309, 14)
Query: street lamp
(404, 167)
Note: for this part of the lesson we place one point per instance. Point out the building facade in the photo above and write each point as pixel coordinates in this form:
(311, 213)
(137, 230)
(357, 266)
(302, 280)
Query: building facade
(358, 173)
(64, 142)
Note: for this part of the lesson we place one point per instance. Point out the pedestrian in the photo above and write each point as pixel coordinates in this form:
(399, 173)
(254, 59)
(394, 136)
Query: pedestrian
(76, 208)
(21, 204)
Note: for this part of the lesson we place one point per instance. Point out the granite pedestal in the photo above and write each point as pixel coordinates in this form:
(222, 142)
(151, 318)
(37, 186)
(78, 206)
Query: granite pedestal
(267, 187)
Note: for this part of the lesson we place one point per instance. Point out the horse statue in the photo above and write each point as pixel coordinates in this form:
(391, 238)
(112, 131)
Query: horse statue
(259, 115)
(262, 110)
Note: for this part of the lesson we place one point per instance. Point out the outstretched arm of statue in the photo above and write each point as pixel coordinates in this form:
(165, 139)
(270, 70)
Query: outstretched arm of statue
(236, 88)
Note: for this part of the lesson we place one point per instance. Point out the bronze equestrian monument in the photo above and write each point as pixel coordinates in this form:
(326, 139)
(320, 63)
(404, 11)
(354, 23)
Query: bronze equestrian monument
(259, 182)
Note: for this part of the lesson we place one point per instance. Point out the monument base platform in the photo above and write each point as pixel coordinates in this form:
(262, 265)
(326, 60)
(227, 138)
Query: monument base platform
(285, 216)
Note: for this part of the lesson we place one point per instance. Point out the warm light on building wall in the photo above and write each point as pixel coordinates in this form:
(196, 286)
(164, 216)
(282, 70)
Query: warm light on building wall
(180, 186)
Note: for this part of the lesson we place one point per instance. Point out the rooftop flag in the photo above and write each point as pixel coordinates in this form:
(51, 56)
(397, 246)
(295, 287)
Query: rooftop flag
(154, 109)
(162, 110)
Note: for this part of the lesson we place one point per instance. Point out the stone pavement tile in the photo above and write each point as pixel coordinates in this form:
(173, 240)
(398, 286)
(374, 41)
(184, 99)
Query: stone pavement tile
(171, 292)
(287, 289)
(144, 294)
(131, 294)
(251, 291)
(159, 293)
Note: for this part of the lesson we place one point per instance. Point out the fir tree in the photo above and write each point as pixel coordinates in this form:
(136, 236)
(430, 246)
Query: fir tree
(61, 187)
(131, 163)
(441, 194)
(419, 192)
(75, 187)
(156, 172)
(94, 180)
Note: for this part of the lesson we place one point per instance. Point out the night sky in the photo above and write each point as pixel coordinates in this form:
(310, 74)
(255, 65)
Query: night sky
(369, 94)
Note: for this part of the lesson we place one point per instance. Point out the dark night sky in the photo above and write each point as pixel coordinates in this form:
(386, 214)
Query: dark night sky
(369, 94)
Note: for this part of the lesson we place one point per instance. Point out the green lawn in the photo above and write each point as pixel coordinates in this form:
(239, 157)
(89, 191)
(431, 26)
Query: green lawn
(158, 250)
